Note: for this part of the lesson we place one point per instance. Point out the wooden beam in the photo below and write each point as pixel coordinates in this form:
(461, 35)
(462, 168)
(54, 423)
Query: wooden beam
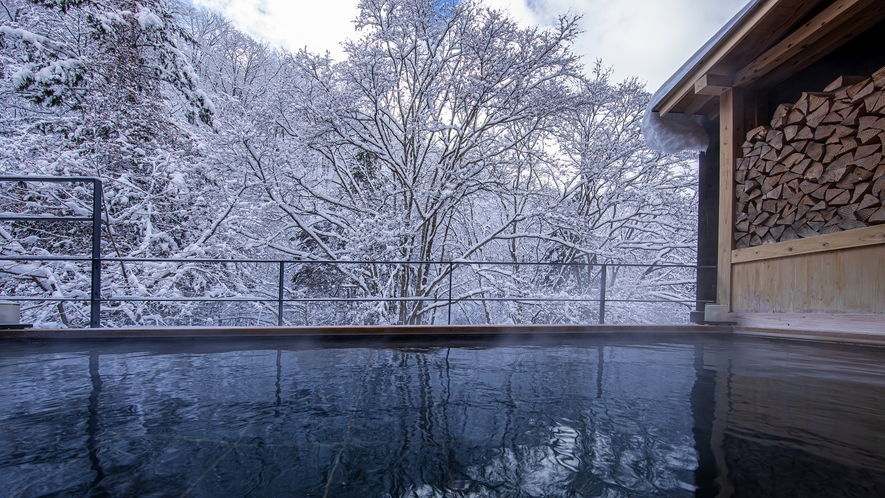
(699, 102)
(712, 84)
(822, 243)
(731, 134)
(862, 22)
(713, 113)
(741, 31)
(830, 25)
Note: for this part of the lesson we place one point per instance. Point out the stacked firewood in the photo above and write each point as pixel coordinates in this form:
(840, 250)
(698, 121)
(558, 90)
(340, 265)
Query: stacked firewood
(818, 169)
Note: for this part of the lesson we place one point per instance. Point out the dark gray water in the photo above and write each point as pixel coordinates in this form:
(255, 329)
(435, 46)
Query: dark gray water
(578, 417)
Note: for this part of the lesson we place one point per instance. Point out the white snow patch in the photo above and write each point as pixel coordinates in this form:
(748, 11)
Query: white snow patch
(50, 74)
(148, 19)
(26, 36)
(674, 133)
(22, 78)
(207, 103)
(77, 209)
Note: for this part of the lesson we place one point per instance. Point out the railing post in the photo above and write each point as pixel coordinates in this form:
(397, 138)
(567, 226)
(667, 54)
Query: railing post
(95, 297)
(602, 285)
(451, 269)
(280, 295)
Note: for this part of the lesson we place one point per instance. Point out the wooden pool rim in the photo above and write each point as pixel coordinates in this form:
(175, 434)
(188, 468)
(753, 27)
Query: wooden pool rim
(439, 332)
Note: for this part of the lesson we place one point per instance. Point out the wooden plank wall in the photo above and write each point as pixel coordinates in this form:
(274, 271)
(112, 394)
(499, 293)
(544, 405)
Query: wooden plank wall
(848, 280)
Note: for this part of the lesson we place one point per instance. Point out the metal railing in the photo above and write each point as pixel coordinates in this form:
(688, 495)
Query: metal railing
(95, 219)
(281, 298)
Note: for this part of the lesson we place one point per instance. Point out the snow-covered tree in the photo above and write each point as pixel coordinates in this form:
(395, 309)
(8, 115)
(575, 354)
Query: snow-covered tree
(105, 89)
(448, 135)
(426, 116)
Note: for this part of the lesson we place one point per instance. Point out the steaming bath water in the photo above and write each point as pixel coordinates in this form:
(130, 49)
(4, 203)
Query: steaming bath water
(587, 416)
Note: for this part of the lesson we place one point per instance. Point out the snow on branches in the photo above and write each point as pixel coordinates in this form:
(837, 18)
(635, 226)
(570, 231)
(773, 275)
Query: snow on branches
(78, 46)
(448, 134)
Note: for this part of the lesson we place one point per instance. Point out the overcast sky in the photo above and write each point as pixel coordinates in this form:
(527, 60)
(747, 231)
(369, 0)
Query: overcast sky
(645, 38)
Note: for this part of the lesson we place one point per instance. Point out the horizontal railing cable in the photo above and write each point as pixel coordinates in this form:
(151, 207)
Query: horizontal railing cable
(280, 297)
(280, 293)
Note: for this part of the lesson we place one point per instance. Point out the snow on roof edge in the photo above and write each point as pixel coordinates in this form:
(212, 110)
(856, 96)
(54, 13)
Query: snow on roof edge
(676, 132)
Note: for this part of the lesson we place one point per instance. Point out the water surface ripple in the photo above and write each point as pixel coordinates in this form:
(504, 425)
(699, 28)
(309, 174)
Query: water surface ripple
(575, 417)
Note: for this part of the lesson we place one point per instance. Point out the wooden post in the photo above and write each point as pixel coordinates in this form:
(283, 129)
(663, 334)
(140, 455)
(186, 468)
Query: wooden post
(731, 135)
(708, 220)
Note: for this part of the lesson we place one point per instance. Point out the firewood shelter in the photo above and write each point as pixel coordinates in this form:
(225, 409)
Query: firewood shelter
(788, 99)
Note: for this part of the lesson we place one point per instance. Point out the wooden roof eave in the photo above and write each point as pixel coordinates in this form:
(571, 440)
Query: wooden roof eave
(765, 47)
(684, 89)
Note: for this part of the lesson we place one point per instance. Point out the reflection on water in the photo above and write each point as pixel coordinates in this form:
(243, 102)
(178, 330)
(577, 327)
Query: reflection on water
(584, 417)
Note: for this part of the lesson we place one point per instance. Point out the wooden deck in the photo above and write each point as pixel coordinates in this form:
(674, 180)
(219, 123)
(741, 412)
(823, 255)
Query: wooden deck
(830, 327)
